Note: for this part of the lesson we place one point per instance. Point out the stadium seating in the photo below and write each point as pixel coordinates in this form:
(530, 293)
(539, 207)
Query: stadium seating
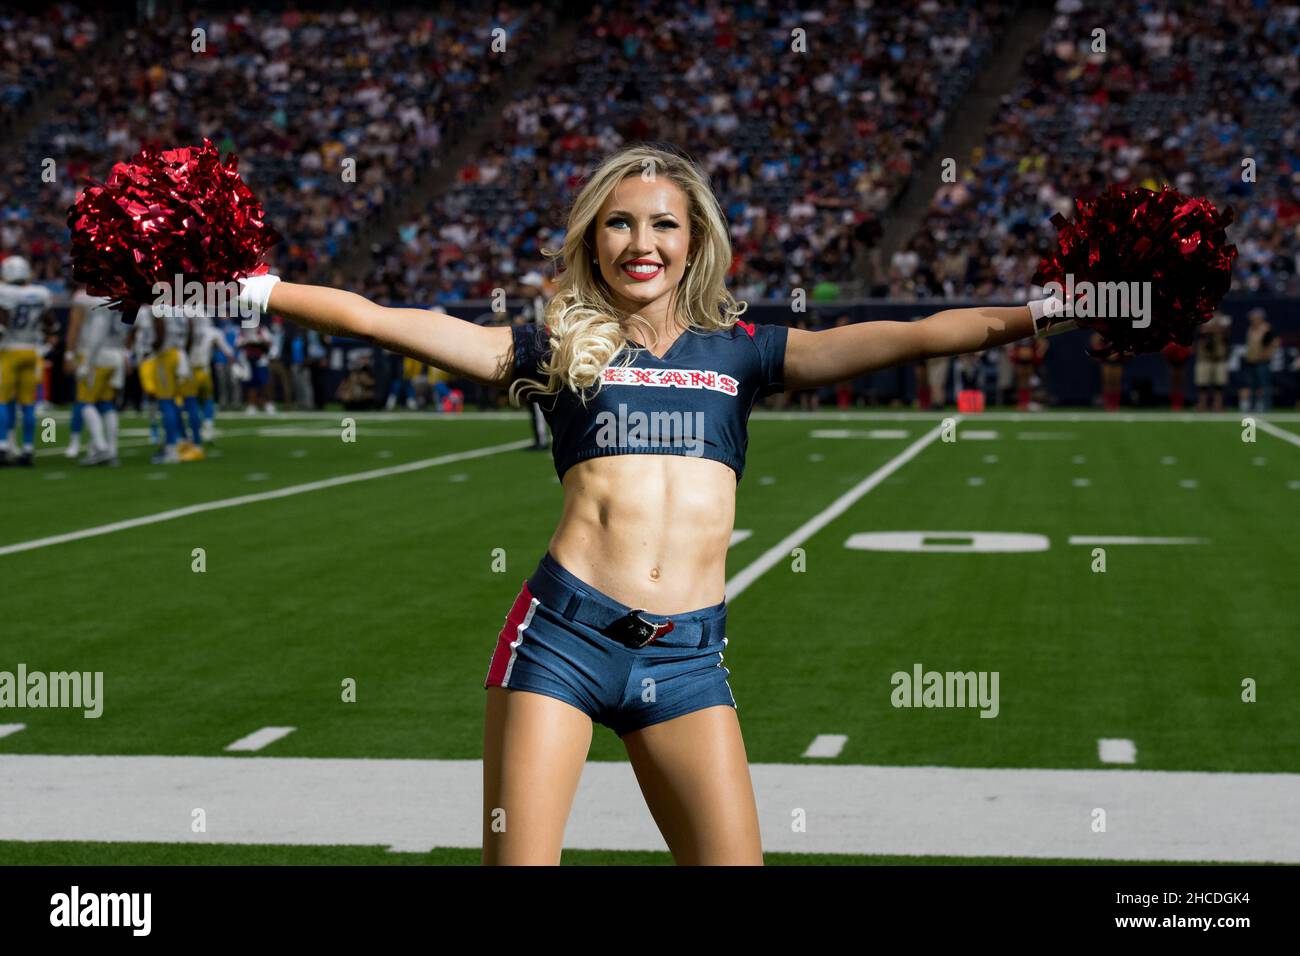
(1182, 96)
(804, 148)
(292, 93)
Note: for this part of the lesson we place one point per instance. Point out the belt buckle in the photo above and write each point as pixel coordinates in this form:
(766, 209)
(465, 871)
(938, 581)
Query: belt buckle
(635, 631)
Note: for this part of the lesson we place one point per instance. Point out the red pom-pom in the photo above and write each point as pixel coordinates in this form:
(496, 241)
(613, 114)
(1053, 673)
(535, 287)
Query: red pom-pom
(1177, 354)
(167, 212)
(1175, 242)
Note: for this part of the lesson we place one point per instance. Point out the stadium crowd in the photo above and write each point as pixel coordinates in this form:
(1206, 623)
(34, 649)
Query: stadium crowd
(810, 123)
(808, 141)
(294, 94)
(1204, 97)
(37, 51)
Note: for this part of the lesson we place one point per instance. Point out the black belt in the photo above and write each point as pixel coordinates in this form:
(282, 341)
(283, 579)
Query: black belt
(628, 626)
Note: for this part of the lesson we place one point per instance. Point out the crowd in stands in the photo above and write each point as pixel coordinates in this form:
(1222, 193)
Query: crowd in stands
(37, 50)
(293, 93)
(1184, 95)
(809, 123)
(808, 118)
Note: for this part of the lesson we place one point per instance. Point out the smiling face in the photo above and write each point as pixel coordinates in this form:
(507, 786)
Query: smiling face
(643, 239)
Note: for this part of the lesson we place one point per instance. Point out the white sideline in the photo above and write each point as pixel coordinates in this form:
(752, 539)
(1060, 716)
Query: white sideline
(416, 805)
(260, 496)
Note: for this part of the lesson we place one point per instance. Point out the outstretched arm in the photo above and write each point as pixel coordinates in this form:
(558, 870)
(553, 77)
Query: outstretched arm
(836, 355)
(484, 354)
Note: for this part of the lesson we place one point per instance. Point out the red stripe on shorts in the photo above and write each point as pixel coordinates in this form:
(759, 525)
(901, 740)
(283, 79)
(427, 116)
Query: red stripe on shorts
(509, 638)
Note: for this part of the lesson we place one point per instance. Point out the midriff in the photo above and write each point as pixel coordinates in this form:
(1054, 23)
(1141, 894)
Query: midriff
(650, 531)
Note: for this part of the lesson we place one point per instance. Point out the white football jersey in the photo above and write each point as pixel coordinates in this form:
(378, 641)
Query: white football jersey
(103, 333)
(26, 306)
(176, 325)
(201, 343)
(144, 334)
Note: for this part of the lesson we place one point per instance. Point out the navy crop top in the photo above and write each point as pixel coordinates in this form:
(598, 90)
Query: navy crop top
(694, 401)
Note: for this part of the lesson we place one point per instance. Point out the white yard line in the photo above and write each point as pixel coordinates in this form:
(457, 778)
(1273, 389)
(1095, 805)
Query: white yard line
(260, 496)
(781, 550)
(1130, 539)
(260, 738)
(826, 745)
(1276, 432)
(1116, 750)
(298, 431)
(50, 452)
(859, 433)
(416, 805)
(7, 729)
(127, 440)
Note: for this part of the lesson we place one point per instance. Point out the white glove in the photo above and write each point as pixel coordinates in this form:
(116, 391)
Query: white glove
(1043, 311)
(183, 372)
(255, 292)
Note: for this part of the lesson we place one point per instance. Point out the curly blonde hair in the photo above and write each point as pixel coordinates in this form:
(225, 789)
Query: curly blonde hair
(586, 328)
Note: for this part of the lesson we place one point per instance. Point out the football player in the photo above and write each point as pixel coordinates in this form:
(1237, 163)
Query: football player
(25, 313)
(403, 388)
(203, 336)
(171, 329)
(101, 373)
(73, 358)
(254, 344)
(139, 347)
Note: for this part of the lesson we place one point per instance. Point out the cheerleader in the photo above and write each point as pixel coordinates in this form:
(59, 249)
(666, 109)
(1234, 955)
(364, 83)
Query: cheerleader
(1027, 358)
(1112, 376)
(623, 621)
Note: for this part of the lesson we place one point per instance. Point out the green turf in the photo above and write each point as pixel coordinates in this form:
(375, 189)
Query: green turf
(390, 582)
(226, 854)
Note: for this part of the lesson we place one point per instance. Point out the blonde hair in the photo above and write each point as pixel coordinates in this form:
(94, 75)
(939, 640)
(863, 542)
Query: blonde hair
(586, 327)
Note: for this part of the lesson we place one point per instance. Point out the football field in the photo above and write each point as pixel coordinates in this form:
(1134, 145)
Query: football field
(293, 637)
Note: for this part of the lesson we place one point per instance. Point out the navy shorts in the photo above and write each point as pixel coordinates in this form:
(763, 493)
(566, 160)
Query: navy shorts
(546, 648)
